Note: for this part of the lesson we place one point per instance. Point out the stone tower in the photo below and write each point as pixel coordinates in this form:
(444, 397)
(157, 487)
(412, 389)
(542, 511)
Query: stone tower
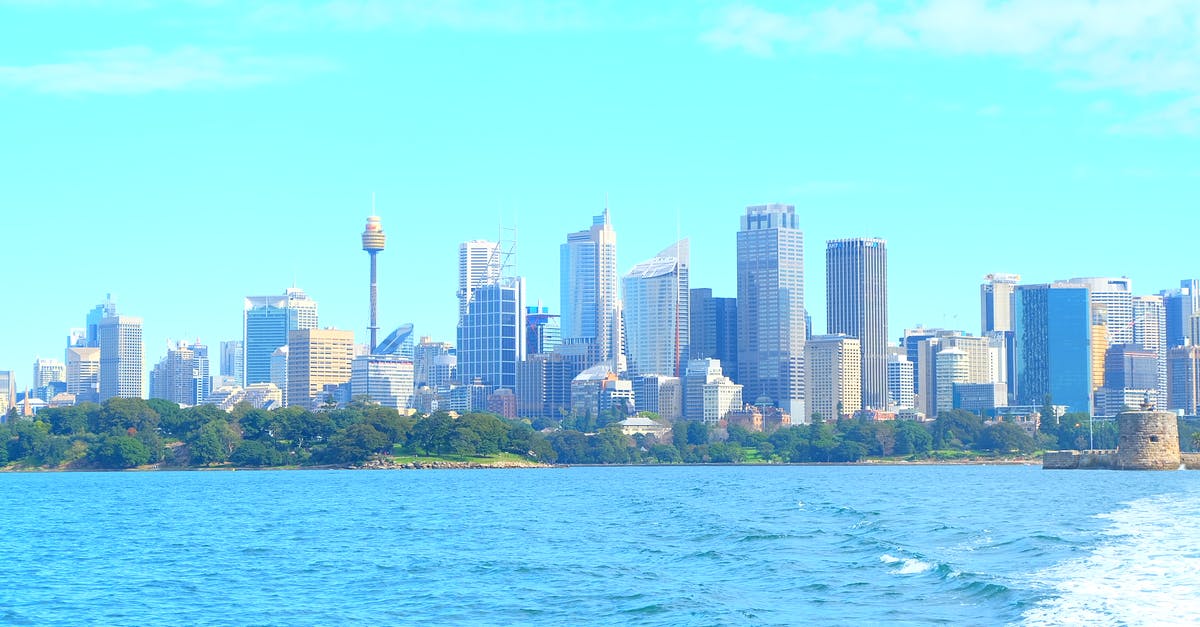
(1149, 440)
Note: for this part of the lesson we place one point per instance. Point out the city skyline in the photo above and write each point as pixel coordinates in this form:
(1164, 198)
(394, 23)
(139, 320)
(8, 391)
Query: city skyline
(259, 143)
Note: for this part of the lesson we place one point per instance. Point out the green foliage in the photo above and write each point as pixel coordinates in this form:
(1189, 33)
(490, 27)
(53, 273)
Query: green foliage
(1005, 438)
(956, 428)
(214, 442)
(912, 438)
(119, 451)
(256, 453)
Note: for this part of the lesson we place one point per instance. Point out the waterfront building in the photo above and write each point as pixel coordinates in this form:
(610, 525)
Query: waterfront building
(122, 360)
(83, 373)
(1183, 368)
(491, 335)
(900, 382)
(771, 320)
(1130, 372)
(657, 317)
(1150, 332)
(758, 418)
(834, 375)
(182, 375)
(1053, 338)
(233, 361)
(588, 291)
(983, 359)
(317, 358)
(266, 323)
(386, 379)
(997, 301)
(856, 291)
(479, 264)
(713, 331)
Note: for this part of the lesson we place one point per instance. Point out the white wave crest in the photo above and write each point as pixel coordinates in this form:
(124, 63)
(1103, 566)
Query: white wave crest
(908, 565)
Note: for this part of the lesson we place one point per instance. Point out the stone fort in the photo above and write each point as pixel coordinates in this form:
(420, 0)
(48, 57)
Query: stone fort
(1148, 440)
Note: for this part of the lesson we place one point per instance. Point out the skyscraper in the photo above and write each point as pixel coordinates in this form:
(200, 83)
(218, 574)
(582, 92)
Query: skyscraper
(233, 360)
(714, 329)
(316, 358)
(543, 331)
(1150, 332)
(434, 363)
(94, 317)
(1112, 302)
(857, 306)
(182, 375)
(266, 322)
(1053, 336)
(479, 264)
(834, 371)
(657, 318)
(384, 379)
(900, 382)
(1184, 387)
(588, 289)
(83, 373)
(491, 335)
(122, 360)
(399, 343)
(771, 326)
(1180, 304)
(46, 371)
(997, 302)
(373, 241)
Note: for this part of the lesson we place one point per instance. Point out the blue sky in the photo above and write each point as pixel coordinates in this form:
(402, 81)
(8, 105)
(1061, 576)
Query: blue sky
(183, 155)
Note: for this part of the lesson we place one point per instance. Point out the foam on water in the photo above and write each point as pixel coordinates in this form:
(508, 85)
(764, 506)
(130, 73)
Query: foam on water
(1145, 570)
(907, 565)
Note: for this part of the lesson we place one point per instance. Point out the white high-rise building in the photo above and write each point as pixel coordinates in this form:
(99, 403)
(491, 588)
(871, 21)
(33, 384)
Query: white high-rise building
(479, 264)
(900, 382)
(122, 359)
(1150, 332)
(721, 397)
(997, 300)
(953, 366)
(657, 313)
(83, 373)
(1112, 302)
(384, 379)
(47, 371)
(588, 289)
(834, 375)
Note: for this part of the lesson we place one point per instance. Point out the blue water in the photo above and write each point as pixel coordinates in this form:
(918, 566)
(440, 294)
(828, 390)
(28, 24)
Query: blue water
(846, 545)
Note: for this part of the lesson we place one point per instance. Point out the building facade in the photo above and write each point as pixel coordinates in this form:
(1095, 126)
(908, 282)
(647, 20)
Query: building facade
(588, 290)
(317, 358)
(657, 313)
(714, 329)
(491, 336)
(383, 379)
(266, 323)
(1053, 338)
(122, 358)
(834, 375)
(856, 305)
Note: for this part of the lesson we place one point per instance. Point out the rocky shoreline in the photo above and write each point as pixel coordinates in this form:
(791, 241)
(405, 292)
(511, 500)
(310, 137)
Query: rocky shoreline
(387, 464)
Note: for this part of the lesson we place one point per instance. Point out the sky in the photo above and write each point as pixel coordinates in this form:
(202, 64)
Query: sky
(182, 155)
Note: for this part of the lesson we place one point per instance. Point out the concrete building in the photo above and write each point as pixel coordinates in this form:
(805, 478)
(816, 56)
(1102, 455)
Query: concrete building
(982, 358)
(1183, 367)
(771, 322)
(479, 264)
(901, 393)
(233, 361)
(720, 397)
(266, 323)
(46, 371)
(714, 329)
(1150, 332)
(857, 306)
(1114, 298)
(435, 364)
(122, 359)
(588, 289)
(182, 376)
(317, 358)
(384, 379)
(660, 394)
(952, 367)
(543, 332)
(279, 371)
(834, 371)
(544, 383)
(1053, 336)
(997, 302)
(657, 317)
(8, 393)
(644, 425)
(1179, 306)
(83, 373)
(980, 398)
(491, 335)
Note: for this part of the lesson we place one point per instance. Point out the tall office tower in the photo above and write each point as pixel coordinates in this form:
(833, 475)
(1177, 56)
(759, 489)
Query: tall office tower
(46, 371)
(182, 375)
(660, 394)
(1113, 298)
(398, 343)
(1150, 332)
(996, 302)
(771, 326)
(834, 375)
(544, 384)
(122, 360)
(8, 393)
(543, 332)
(266, 322)
(233, 360)
(900, 382)
(657, 317)
(1184, 385)
(588, 289)
(953, 367)
(106, 309)
(491, 335)
(911, 341)
(699, 373)
(279, 373)
(714, 329)
(435, 364)
(721, 396)
(1053, 335)
(384, 379)
(856, 297)
(77, 337)
(479, 264)
(373, 241)
(316, 358)
(1180, 305)
(83, 373)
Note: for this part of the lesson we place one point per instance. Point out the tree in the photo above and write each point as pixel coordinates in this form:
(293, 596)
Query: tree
(355, 444)
(120, 451)
(118, 415)
(431, 436)
(214, 442)
(912, 438)
(956, 428)
(571, 447)
(1005, 437)
(256, 453)
(697, 433)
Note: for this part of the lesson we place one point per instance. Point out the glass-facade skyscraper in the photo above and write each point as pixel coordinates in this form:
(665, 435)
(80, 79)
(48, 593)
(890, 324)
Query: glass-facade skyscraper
(771, 325)
(588, 290)
(491, 336)
(857, 306)
(266, 322)
(657, 319)
(1054, 352)
(714, 329)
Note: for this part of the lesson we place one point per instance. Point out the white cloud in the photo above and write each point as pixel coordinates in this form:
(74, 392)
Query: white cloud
(467, 15)
(138, 69)
(1143, 47)
(1179, 118)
